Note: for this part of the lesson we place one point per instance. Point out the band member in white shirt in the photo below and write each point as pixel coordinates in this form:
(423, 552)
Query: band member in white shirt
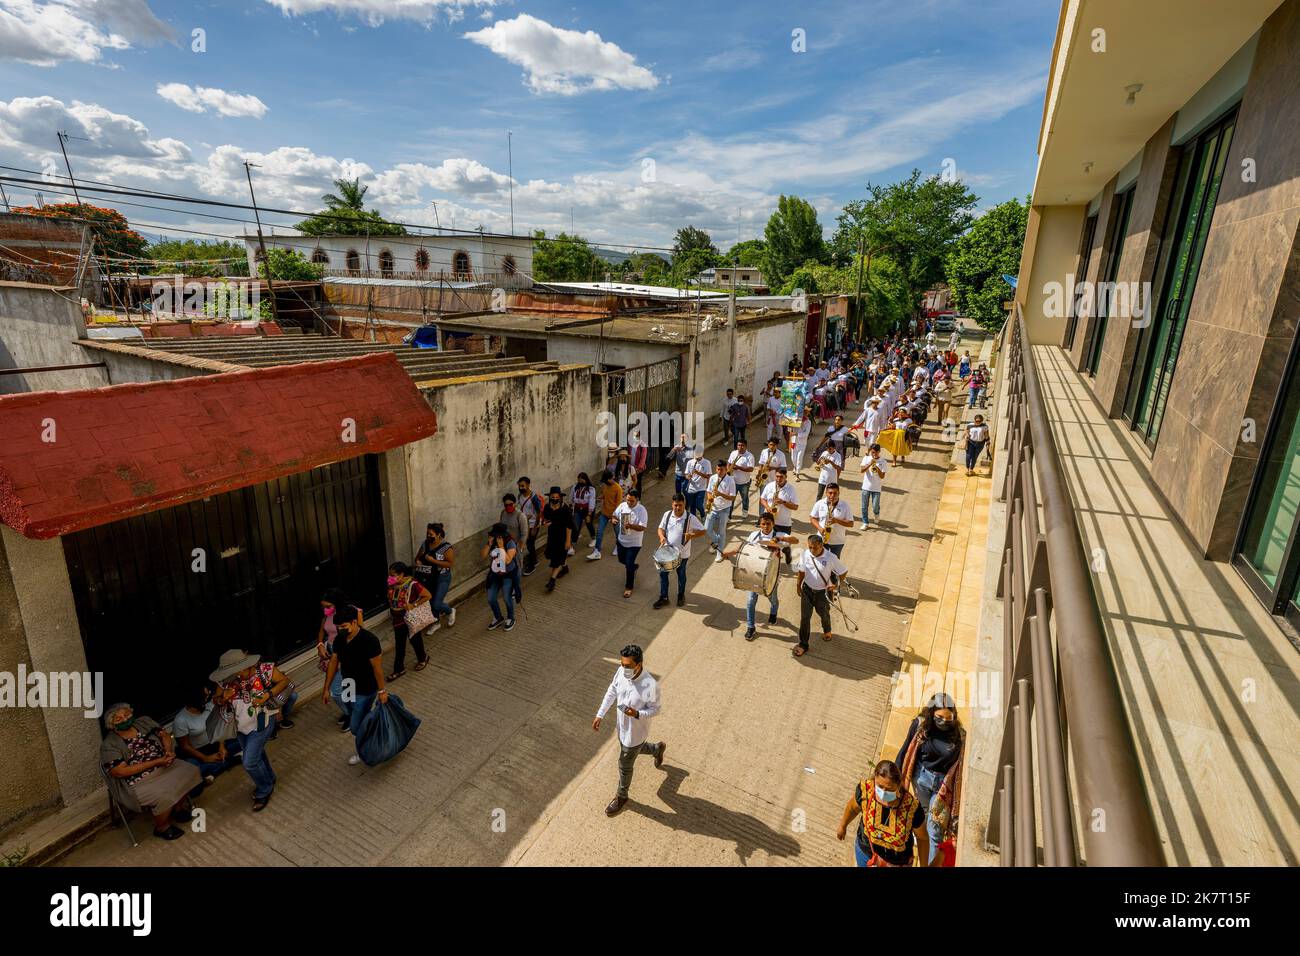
(677, 527)
(742, 469)
(799, 442)
(631, 519)
(636, 695)
(830, 516)
(769, 537)
(830, 464)
(697, 481)
(816, 572)
(721, 495)
(781, 501)
(774, 412)
(873, 474)
(769, 458)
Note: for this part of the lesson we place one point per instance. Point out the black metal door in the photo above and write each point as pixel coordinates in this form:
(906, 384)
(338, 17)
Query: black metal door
(160, 596)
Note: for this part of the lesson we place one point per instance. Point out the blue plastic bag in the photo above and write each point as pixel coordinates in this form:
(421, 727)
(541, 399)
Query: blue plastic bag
(385, 731)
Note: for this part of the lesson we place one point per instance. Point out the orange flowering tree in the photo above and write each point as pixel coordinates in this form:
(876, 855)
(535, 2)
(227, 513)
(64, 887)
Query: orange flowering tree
(114, 237)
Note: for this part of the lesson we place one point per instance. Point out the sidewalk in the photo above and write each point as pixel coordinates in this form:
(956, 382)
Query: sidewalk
(763, 750)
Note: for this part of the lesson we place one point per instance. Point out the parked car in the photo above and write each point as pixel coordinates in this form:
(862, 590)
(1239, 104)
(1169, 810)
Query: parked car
(945, 323)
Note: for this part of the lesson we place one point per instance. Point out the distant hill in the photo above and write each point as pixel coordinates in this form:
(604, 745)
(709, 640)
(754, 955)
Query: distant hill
(617, 256)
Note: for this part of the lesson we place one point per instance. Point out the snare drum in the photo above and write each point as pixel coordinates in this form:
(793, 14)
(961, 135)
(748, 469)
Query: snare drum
(668, 557)
(756, 568)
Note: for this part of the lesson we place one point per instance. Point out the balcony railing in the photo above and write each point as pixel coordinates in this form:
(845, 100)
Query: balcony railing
(1058, 669)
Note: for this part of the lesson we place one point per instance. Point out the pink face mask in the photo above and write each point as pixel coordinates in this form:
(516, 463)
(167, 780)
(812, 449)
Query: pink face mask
(393, 579)
(329, 612)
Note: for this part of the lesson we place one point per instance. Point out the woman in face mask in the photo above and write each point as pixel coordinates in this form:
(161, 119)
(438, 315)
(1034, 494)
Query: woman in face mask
(931, 761)
(404, 593)
(334, 607)
(892, 819)
(139, 758)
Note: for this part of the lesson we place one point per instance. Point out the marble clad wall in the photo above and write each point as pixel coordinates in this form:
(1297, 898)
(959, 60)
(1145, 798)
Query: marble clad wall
(1244, 311)
(1138, 264)
(1092, 271)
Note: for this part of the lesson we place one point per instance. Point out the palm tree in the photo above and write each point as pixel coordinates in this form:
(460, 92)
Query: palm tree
(352, 195)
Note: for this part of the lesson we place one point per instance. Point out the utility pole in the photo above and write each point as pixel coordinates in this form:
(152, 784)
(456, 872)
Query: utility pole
(261, 244)
(510, 175)
(63, 138)
(5, 199)
(857, 295)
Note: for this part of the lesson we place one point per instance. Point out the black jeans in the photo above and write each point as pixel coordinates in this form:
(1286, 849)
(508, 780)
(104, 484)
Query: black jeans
(810, 600)
(784, 529)
(627, 557)
(400, 634)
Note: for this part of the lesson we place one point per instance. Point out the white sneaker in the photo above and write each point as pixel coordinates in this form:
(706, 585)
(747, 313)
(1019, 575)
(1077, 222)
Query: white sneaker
(431, 628)
(717, 558)
(865, 526)
(353, 760)
(451, 618)
(594, 556)
(571, 552)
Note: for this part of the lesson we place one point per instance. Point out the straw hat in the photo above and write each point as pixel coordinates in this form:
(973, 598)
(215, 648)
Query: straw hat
(231, 663)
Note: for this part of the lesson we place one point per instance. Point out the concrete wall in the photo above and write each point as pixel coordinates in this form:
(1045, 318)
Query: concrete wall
(490, 432)
(67, 742)
(29, 783)
(1055, 256)
(581, 350)
(486, 254)
(40, 325)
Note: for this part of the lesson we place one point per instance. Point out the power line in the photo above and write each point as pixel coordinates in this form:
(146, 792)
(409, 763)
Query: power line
(101, 186)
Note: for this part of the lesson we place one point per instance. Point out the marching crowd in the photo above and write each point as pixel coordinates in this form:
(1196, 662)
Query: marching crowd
(743, 505)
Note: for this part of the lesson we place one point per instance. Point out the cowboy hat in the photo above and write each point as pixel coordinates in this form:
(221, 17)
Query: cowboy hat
(231, 663)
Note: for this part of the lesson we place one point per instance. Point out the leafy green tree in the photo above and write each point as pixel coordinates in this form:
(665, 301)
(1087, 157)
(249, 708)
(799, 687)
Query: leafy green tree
(750, 252)
(566, 258)
(914, 222)
(198, 258)
(289, 265)
(345, 214)
(651, 267)
(793, 236)
(113, 235)
(978, 260)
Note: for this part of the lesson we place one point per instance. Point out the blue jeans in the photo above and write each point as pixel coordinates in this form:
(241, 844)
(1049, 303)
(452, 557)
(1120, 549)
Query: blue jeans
(679, 483)
(256, 763)
(870, 499)
(681, 581)
(716, 527)
(925, 784)
(501, 586)
(212, 767)
(752, 603)
(601, 525)
(743, 492)
(973, 451)
(441, 585)
(695, 503)
(357, 709)
(974, 396)
(336, 690)
(861, 858)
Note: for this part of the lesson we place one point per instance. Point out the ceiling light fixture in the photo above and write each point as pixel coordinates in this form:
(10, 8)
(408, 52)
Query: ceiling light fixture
(1132, 90)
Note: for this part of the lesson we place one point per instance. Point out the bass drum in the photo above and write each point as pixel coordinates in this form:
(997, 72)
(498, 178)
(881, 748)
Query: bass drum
(756, 568)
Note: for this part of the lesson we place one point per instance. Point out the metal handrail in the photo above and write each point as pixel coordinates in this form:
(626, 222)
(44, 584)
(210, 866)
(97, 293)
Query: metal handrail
(1047, 591)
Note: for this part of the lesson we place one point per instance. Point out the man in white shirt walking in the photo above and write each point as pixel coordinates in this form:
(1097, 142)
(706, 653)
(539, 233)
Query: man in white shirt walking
(873, 475)
(697, 481)
(721, 496)
(742, 470)
(770, 538)
(799, 443)
(816, 573)
(769, 459)
(830, 516)
(636, 694)
(631, 519)
(830, 464)
(781, 501)
(677, 528)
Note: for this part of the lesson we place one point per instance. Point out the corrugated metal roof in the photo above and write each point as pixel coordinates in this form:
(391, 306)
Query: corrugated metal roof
(648, 291)
(403, 283)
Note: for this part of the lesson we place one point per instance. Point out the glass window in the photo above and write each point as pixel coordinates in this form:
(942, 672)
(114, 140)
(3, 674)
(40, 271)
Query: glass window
(1106, 297)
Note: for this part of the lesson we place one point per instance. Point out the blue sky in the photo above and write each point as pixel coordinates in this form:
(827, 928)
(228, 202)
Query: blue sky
(633, 118)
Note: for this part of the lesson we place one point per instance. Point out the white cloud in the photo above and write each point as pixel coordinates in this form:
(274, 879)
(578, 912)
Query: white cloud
(29, 124)
(563, 61)
(291, 176)
(48, 33)
(200, 99)
(375, 12)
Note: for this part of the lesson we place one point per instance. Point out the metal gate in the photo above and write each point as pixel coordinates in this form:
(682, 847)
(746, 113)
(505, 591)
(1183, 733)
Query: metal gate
(654, 390)
(161, 595)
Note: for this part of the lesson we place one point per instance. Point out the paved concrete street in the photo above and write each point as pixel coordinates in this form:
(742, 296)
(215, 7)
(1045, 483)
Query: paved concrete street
(763, 749)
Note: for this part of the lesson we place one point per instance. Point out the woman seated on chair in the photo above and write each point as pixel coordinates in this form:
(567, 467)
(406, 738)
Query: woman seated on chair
(139, 759)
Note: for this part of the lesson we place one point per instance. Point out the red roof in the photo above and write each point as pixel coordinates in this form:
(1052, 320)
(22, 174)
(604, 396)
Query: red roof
(127, 449)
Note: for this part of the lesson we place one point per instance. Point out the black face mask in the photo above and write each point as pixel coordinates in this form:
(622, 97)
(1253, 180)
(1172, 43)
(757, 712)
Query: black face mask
(555, 502)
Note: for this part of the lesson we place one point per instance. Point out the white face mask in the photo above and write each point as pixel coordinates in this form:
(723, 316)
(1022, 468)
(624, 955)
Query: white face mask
(629, 673)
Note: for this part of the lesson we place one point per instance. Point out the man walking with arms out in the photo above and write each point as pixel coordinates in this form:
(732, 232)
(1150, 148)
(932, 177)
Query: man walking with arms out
(636, 695)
